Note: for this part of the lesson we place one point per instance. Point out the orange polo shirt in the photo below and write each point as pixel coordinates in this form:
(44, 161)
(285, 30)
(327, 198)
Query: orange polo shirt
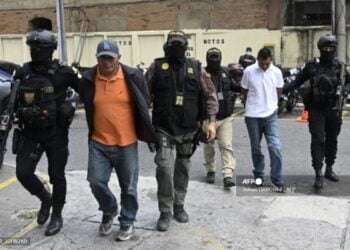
(114, 120)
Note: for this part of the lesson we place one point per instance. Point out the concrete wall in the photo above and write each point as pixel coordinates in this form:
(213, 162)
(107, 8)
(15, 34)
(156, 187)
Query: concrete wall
(131, 15)
(300, 44)
(144, 46)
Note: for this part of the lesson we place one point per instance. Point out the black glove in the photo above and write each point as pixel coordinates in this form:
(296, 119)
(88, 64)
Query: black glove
(152, 147)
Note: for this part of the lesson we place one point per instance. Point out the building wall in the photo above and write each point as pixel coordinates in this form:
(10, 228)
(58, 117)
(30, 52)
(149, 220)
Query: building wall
(137, 15)
(145, 46)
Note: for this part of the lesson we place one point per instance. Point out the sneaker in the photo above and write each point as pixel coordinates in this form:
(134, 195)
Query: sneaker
(228, 182)
(164, 221)
(125, 232)
(180, 214)
(210, 177)
(106, 224)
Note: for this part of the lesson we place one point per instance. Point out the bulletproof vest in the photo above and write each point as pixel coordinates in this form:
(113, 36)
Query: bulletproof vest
(36, 102)
(226, 97)
(324, 82)
(177, 96)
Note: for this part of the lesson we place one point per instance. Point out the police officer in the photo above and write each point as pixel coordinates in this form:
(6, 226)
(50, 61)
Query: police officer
(44, 118)
(247, 59)
(320, 99)
(225, 88)
(178, 89)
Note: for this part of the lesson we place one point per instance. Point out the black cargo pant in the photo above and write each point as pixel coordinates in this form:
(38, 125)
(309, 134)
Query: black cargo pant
(324, 126)
(32, 146)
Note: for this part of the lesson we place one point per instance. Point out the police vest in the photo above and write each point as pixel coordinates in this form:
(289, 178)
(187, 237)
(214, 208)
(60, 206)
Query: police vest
(37, 102)
(324, 82)
(177, 96)
(226, 97)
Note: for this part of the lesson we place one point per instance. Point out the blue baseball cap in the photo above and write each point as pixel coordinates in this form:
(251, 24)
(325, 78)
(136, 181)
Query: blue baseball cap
(107, 48)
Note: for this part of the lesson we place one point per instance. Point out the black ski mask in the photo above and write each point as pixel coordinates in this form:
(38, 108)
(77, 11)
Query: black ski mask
(327, 54)
(41, 55)
(214, 60)
(176, 52)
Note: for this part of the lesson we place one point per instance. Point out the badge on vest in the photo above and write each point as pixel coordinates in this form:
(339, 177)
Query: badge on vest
(190, 71)
(29, 97)
(223, 75)
(179, 99)
(220, 96)
(165, 66)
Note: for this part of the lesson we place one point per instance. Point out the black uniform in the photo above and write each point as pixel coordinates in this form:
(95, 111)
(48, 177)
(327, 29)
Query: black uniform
(44, 118)
(320, 99)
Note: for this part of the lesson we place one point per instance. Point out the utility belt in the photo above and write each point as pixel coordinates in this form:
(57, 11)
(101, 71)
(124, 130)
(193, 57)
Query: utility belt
(185, 144)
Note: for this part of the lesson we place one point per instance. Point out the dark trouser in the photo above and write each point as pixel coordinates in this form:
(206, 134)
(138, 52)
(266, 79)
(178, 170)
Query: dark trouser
(29, 153)
(124, 160)
(324, 127)
(172, 179)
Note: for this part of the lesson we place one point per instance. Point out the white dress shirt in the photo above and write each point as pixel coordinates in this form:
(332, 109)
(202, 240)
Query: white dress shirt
(262, 98)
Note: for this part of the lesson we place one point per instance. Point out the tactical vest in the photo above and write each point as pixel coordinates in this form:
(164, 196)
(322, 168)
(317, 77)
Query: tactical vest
(177, 96)
(223, 84)
(324, 82)
(37, 106)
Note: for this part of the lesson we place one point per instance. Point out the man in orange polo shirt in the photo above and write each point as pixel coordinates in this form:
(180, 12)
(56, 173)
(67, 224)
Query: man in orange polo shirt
(115, 98)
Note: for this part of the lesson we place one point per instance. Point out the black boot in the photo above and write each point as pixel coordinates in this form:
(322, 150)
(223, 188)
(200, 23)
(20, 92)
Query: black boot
(180, 214)
(45, 207)
(164, 221)
(318, 185)
(330, 174)
(56, 221)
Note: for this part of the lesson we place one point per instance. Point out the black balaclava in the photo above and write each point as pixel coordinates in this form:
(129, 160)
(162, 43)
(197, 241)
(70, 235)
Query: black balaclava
(176, 46)
(41, 55)
(213, 60)
(176, 53)
(327, 55)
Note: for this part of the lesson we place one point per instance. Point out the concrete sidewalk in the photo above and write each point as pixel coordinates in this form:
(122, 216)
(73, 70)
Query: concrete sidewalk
(218, 220)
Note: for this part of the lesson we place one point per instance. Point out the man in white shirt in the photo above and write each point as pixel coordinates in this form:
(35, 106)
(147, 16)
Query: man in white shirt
(262, 85)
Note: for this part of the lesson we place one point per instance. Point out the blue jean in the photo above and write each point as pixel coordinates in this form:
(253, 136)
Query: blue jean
(124, 160)
(257, 127)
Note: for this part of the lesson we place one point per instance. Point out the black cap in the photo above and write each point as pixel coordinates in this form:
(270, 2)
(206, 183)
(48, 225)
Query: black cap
(107, 48)
(177, 36)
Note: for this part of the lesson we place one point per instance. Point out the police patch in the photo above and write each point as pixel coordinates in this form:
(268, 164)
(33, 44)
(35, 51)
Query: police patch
(190, 71)
(165, 66)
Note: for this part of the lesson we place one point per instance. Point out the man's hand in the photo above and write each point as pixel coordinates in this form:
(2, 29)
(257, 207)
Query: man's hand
(211, 131)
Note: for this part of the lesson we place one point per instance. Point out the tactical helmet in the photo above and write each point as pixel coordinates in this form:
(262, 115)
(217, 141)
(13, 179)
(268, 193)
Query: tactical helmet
(42, 38)
(327, 41)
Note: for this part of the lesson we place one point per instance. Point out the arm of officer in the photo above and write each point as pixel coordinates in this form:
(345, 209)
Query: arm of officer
(244, 86)
(212, 105)
(300, 78)
(72, 79)
(150, 79)
(143, 86)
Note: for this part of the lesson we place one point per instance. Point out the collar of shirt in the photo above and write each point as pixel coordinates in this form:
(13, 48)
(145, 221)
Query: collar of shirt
(116, 76)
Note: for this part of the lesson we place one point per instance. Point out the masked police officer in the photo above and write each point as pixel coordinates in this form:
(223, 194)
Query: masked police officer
(247, 59)
(320, 99)
(225, 88)
(44, 118)
(178, 89)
